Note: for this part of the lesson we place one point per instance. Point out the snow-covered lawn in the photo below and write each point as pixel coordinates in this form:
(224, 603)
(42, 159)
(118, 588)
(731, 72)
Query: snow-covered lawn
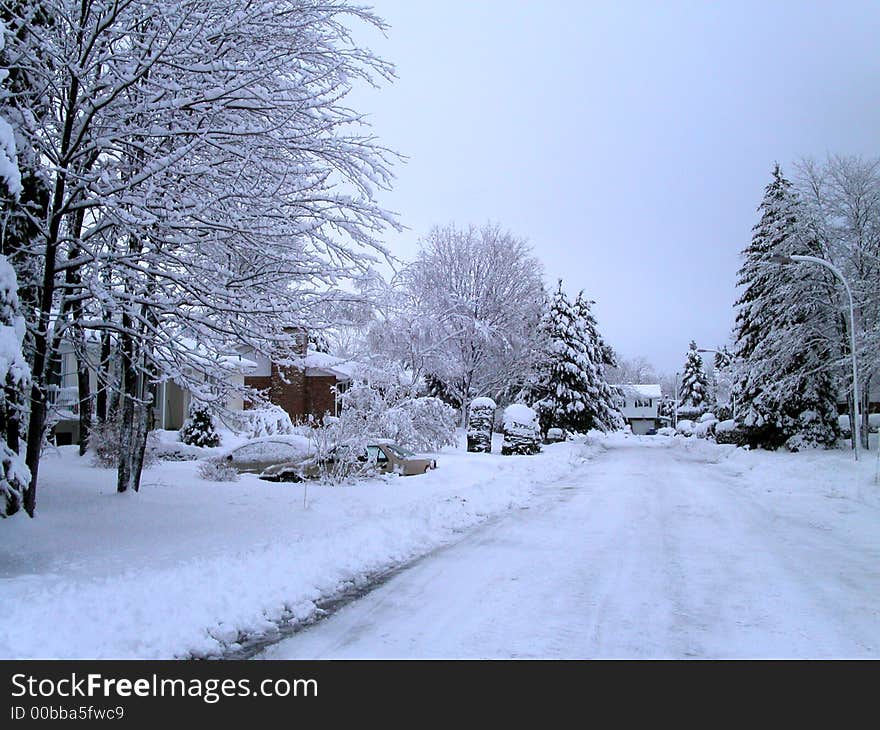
(186, 567)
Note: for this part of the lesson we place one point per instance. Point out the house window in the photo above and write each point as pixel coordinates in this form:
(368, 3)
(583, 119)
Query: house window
(643, 403)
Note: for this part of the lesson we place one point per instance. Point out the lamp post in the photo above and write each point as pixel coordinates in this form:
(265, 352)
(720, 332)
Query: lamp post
(856, 428)
(732, 396)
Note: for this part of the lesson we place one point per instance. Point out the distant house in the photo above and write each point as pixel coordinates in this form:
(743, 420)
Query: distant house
(306, 390)
(171, 400)
(639, 405)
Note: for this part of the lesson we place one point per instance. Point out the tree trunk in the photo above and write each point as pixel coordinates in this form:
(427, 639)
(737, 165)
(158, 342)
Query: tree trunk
(84, 392)
(103, 378)
(128, 397)
(866, 421)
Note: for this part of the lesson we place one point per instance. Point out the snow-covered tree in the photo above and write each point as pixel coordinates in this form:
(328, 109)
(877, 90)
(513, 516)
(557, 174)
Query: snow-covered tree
(199, 429)
(841, 207)
(602, 409)
(570, 390)
(784, 384)
(211, 187)
(388, 408)
(465, 313)
(14, 372)
(694, 390)
(633, 371)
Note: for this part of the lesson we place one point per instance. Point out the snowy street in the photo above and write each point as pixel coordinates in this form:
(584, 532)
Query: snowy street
(649, 550)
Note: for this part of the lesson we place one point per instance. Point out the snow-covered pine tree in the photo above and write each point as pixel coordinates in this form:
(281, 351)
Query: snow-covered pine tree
(561, 384)
(199, 428)
(574, 394)
(14, 372)
(14, 377)
(602, 412)
(784, 385)
(694, 390)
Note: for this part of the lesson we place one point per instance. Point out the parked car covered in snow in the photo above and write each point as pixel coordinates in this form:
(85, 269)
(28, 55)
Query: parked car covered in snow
(257, 454)
(384, 456)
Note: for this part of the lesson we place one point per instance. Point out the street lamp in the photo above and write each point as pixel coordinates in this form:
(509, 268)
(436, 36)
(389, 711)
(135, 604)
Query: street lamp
(732, 396)
(856, 429)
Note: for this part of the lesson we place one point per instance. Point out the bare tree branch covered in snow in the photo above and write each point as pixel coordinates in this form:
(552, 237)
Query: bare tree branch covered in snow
(210, 188)
(465, 313)
(841, 203)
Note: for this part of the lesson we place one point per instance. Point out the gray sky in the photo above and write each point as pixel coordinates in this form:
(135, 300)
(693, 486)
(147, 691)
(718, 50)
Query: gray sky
(629, 142)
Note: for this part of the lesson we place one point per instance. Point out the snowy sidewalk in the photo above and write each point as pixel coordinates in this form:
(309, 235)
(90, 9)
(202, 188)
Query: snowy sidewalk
(187, 567)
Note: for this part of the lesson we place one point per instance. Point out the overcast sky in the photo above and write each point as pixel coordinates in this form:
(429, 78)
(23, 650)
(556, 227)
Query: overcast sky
(628, 142)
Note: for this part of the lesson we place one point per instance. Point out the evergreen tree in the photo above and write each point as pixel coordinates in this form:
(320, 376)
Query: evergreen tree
(694, 390)
(573, 393)
(784, 386)
(602, 412)
(14, 371)
(199, 428)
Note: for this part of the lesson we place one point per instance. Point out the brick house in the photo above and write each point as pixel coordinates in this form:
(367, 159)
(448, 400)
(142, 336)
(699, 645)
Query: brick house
(306, 391)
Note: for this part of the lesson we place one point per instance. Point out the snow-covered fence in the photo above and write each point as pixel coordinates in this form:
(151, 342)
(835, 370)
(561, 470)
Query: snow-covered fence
(522, 434)
(480, 422)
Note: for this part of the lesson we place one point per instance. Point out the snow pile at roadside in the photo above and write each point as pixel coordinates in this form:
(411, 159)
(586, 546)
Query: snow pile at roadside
(188, 567)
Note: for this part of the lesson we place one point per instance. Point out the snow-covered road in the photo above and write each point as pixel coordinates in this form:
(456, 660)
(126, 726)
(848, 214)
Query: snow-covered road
(647, 551)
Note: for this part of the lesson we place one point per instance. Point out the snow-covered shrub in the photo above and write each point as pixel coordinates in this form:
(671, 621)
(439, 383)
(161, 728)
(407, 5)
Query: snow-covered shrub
(666, 431)
(812, 433)
(480, 421)
(199, 429)
(705, 429)
(521, 430)
(339, 450)
(259, 422)
(707, 417)
(218, 470)
(106, 446)
(727, 432)
(385, 411)
(685, 427)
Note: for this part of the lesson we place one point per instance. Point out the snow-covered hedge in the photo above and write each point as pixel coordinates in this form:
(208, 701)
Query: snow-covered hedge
(727, 432)
(480, 422)
(521, 430)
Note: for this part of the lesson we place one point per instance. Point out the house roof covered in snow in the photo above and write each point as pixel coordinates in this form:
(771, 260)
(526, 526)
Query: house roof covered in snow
(320, 363)
(641, 390)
